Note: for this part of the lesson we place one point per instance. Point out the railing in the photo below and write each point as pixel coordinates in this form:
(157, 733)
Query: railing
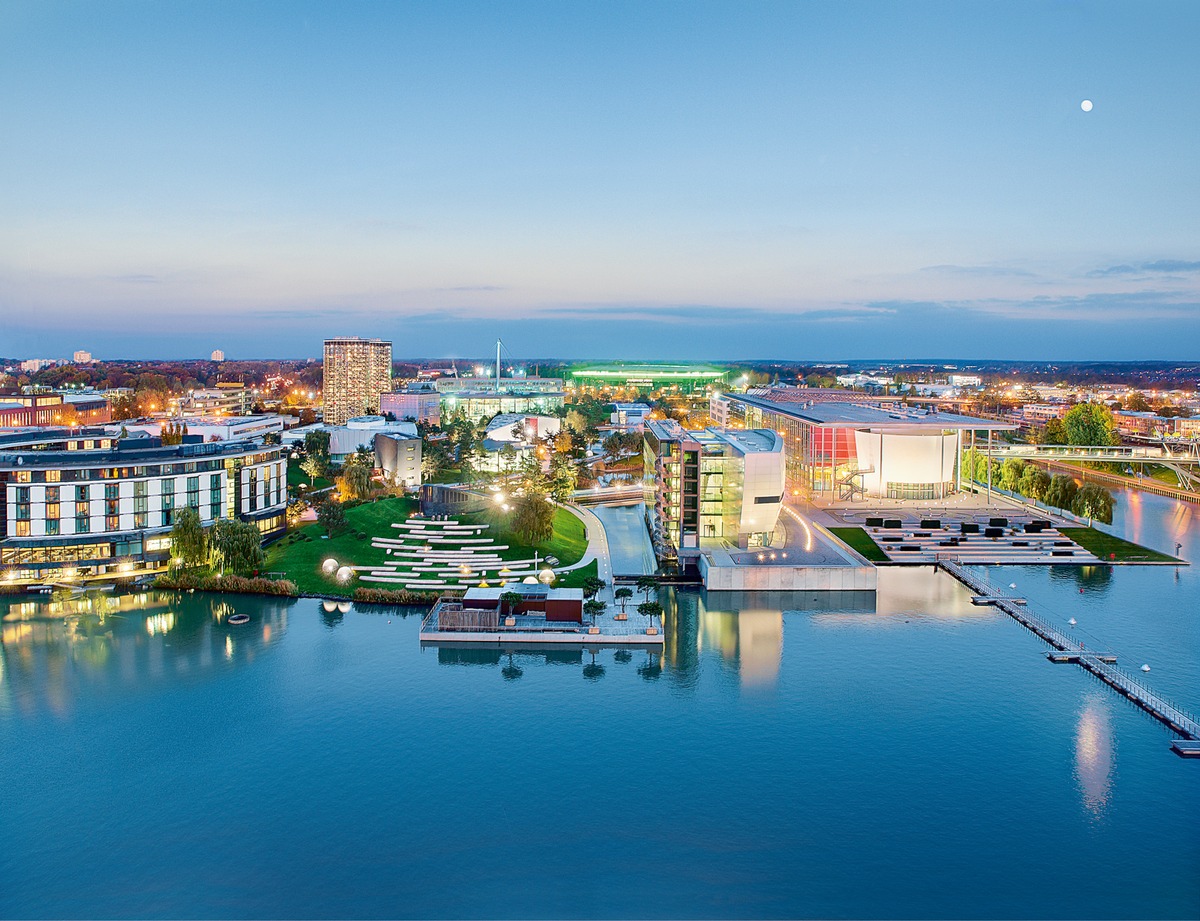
(1093, 660)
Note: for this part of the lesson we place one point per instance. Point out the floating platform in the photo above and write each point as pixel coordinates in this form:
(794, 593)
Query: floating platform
(539, 638)
(1061, 656)
(995, 599)
(1186, 748)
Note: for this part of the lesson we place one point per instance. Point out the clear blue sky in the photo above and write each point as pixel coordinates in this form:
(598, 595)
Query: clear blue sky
(703, 180)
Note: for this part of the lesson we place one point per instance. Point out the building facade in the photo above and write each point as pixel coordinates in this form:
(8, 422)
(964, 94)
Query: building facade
(850, 451)
(356, 372)
(49, 409)
(417, 405)
(712, 485)
(87, 505)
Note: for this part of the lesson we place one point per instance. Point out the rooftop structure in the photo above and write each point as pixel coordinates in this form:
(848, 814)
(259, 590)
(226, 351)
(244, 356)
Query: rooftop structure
(685, 378)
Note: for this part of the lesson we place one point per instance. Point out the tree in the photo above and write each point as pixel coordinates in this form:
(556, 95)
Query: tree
(533, 517)
(189, 543)
(1090, 424)
(307, 416)
(509, 600)
(355, 482)
(1010, 473)
(331, 516)
(1034, 482)
(593, 609)
(646, 585)
(564, 476)
(1054, 433)
(172, 433)
(235, 545)
(316, 444)
(1094, 502)
(1061, 491)
(1136, 402)
(650, 609)
(592, 586)
(313, 467)
(622, 596)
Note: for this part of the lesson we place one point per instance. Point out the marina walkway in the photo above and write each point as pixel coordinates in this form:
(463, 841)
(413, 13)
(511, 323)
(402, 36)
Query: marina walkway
(1067, 649)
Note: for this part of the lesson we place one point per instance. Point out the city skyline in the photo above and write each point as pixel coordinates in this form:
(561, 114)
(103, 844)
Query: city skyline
(633, 180)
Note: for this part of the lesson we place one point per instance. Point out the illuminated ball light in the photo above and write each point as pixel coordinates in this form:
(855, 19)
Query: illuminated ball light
(345, 574)
(329, 567)
(1086, 105)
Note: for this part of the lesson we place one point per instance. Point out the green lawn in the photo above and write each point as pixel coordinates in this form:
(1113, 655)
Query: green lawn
(860, 540)
(1103, 545)
(300, 554)
(568, 543)
(298, 478)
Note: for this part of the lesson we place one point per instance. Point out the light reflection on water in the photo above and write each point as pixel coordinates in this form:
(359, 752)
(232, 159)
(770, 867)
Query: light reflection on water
(1095, 754)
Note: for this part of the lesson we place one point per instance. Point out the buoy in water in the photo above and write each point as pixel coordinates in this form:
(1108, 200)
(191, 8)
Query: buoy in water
(239, 618)
(1145, 668)
(1071, 621)
(1012, 584)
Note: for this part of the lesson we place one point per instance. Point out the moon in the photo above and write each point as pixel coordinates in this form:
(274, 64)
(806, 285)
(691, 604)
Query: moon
(1086, 105)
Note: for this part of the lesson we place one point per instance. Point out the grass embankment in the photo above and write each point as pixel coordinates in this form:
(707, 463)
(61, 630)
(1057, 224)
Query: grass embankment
(858, 539)
(299, 555)
(1121, 551)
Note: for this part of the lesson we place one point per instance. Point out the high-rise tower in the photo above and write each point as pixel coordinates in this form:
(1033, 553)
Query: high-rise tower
(356, 372)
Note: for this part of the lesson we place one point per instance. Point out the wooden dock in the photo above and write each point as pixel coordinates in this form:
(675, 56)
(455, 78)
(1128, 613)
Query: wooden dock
(1065, 648)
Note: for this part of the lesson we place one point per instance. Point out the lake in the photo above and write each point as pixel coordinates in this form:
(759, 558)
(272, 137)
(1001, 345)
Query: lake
(909, 755)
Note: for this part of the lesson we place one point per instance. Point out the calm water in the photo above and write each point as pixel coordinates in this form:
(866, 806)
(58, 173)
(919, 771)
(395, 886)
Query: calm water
(914, 757)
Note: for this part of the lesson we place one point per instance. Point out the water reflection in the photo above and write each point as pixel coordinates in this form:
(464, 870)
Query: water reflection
(1086, 578)
(1094, 746)
(55, 651)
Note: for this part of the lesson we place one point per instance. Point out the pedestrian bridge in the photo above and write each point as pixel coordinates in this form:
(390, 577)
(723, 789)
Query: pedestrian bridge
(1188, 455)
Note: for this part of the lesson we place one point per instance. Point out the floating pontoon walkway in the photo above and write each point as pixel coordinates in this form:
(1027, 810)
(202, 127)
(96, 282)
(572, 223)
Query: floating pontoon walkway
(1100, 664)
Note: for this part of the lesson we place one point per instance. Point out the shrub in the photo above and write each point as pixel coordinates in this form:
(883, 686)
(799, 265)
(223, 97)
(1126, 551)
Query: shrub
(393, 596)
(245, 585)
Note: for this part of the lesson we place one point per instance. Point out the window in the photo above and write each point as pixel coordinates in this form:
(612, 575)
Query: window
(82, 524)
(81, 493)
(23, 476)
(141, 519)
(112, 522)
(22, 529)
(193, 491)
(53, 476)
(112, 492)
(52, 527)
(767, 500)
(22, 493)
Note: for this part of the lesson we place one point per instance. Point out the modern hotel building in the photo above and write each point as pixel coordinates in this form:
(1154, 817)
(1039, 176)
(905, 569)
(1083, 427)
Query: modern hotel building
(355, 373)
(710, 484)
(847, 451)
(80, 504)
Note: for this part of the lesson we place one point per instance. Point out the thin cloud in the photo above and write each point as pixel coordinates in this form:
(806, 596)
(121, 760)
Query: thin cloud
(979, 271)
(1097, 307)
(1157, 267)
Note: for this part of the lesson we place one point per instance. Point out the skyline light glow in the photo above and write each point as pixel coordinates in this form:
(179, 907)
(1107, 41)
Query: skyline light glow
(635, 180)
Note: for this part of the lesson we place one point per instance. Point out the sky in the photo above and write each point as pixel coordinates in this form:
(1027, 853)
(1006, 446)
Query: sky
(642, 180)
